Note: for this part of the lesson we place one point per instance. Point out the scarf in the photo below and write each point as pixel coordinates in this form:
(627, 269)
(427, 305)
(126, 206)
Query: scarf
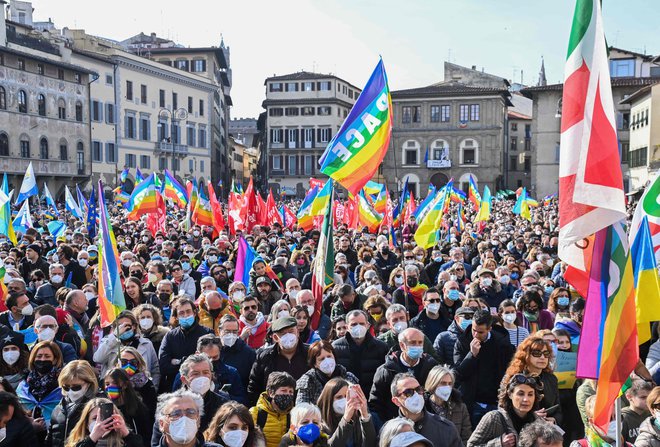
(258, 322)
(139, 380)
(594, 439)
(417, 293)
(41, 386)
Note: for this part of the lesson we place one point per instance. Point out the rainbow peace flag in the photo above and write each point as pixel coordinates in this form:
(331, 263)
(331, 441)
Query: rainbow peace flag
(143, 198)
(473, 193)
(647, 284)
(355, 152)
(373, 188)
(304, 216)
(111, 296)
(381, 201)
(174, 191)
(322, 199)
(368, 217)
(245, 257)
(202, 214)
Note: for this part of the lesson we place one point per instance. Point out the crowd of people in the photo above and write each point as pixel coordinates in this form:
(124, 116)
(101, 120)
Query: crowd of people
(468, 343)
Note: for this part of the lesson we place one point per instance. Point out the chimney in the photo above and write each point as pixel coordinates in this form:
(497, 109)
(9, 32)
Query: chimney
(153, 37)
(474, 67)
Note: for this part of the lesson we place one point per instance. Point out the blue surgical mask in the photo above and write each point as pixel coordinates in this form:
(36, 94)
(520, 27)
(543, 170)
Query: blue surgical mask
(186, 322)
(465, 324)
(185, 266)
(548, 290)
(563, 301)
(415, 352)
(309, 433)
(453, 294)
(515, 275)
(126, 335)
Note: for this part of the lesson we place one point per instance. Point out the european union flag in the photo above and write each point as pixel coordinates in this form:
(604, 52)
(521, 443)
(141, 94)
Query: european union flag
(92, 215)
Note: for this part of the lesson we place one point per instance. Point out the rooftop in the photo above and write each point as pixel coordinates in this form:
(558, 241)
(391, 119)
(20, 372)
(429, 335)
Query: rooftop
(220, 54)
(306, 76)
(639, 93)
(449, 88)
(616, 82)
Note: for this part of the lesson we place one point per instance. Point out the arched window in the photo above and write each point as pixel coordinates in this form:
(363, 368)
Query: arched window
(61, 109)
(64, 151)
(43, 149)
(22, 101)
(4, 145)
(80, 157)
(79, 111)
(25, 147)
(410, 154)
(3, 98)
(41, 103)
(469, 150)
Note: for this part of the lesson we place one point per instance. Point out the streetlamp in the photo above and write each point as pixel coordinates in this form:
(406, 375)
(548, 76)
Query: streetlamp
(175, 115)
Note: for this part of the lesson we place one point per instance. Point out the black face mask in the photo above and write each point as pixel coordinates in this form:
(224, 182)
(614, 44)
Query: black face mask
(367, 258)
(411, 281)
(43, 366)
(283, 401)
(164, 297)
(385, 250)
(215, 312)
(138, 274)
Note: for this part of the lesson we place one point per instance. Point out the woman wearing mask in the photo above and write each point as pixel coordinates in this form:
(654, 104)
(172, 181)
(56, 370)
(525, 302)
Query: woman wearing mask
(507, 312)
(321, 360)
(376, 306)
(519, 397)
(306, 423)
(280, 309)
(151, 324)
(184, 282)
(236, 294)
(39, 393)
(79, 386)
(131, 361)
(120, 390)
(395, 281)
(368, 278)
(343, 407)
(338, 329)
(303, 322)
(534, 358)
(299, 264)
(457, 273)
(366, 258)
(111, 432)
(559, 303)
(14, 361)
(233, 426)
(531, 314)
(125, 333)
(444, 400)
(156, 272)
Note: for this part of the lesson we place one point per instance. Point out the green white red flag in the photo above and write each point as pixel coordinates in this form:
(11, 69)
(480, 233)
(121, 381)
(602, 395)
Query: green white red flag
(324, 263)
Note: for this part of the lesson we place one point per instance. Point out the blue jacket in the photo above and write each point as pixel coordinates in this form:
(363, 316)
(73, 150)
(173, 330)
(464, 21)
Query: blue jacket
(240, 356)
(68, 353)
(444, 344)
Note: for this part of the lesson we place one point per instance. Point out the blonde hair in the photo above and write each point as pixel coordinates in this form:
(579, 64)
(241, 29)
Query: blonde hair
(78, 369)
(300, 411)
(435, 376)
(81, 430)
(142, 365)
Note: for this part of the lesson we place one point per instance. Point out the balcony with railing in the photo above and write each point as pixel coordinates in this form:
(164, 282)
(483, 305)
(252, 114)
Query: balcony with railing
(56, 168)
(164, 147)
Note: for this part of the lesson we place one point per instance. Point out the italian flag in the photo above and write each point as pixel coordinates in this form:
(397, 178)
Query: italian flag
(591, 195)
(324, 263)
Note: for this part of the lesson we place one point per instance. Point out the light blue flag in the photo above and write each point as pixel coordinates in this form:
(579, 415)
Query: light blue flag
(29, 186)
(23, 221)
(57, 228)
(49, 199)
(70, 203)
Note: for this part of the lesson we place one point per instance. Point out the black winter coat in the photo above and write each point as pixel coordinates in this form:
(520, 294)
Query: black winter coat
(444, 344)
(65, 416)
(19, 433)
(264, 364)
(362, 360)
(177, 344)
(240, 356)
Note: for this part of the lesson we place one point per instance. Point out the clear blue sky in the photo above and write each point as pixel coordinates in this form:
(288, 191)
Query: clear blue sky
(345, 37)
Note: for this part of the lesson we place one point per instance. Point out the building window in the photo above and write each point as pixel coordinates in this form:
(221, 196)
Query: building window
(4, 145)
(22, 101)
(145, 129)
(110, 114)
(97, 155)
(417, 114)
(638, 157)
(21, 64)
(411, 153)
(162, 163)
(143, 94)
(61, 109)
(79, 111)
(621, 68)
(40, 69)
(25, 148)
(190, 135)
(307, 111)
(291, 111)
(276, 136)
(145, 162)
(308, 86)
(514, 143)
(80, 157)
(161, 98)
(474, 112)
(528, 163)
(309, 164)
(3, 98)
(277, 163)
(308, 138)
(175, 133)
(276, 111)
(406, 113)
(291, 86)
(77, 77)
(469, 152)
(292, 135)
(445, 114)
(60, 74)
(108, 79)
(325, 134)
(513, 163)
(64, 151)
(201, 107)
(190, 104)
(464, 112)
(202, 137)
(43, 149)
(199, 65)
(275, 86)
(130, 126)
(129, 90)
(111, 153)
(201, 165)
(182, 65)
(324, 111)
(175, 101)
(190, 165)
(176, 164)
(130, 161)
(293, 165)
(96, 111)
(514, 126)
(435, 114)
(325, 86)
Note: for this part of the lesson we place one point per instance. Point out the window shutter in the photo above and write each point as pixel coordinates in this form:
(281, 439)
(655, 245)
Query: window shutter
(126, 134)
(318, 86)
(107, 152)
(286, 137)
(101, 106)
(318, 134)
(148, 129)
(312, 132)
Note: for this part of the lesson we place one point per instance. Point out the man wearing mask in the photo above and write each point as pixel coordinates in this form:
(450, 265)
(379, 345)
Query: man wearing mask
(445, 341)
(212, 307)
(76, 305)
(32, 261)
(19, 314)
(292, 289)
(210, 258)
(180, 342)
(358, 351)
(235, 352)
(488, 288)
(197, 376)
(71, 267)
(410, 295)
(347, 301)
(435, 317)
(433, 267)
(253, 326)
(83, 261)
(410, 358)
(46, 327)
(351, 255)
(226, 379)
(265, 293)
(306, 298)
(397, 320)
(408, 395)
(271, 412)
(195, 239)
(386, 261)
(481, 357)
(178, 418)
(288, 354)
(45, 294)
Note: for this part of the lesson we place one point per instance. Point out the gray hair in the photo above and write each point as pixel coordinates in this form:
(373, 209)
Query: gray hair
(394, 308)
(403, 335)
(392, 428)
(435, 376)
(165, 399)
(21, 280)
(194, 359)
(57, 265)
(167, 282)
(398, 378)
(301, 410)
(411, 268)
(539, 430)
(207, 279)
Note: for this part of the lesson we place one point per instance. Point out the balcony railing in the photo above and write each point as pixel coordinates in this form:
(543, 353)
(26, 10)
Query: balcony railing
(172, 148)
(12, 165)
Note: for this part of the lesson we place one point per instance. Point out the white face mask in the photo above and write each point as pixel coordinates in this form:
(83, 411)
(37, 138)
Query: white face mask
(3, 433)
(238, 296)
(229, 340)
(146, 323)
(283, 313)
(83, 262)
(151, 277)
(200, 385)
(505, 279)
(75, 396)
(434, 308)
(46, 334)
(288, 341)
(27, 310)
(91, 426)
(398, 280)
(56, 279)
(400, 326)
(310, 310)
(414, 403)
(443, 392)
(339, 406)
(328, 365)
(486, 282)
(126, 263)
(183, 430)
(10, 357)
(358, 331)
(234, 438)
(90, 296)
(509, 318)
(294, 293)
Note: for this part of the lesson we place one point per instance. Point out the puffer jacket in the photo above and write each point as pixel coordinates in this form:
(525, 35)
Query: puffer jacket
(649, 434)
(275, 425)
(362, 360)
(106, 355)
(187, 286)
(444, 344)
(207, 320)
(311, 383)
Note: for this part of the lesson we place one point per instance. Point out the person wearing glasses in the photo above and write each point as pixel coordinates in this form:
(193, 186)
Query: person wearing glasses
(223, 375)
(535, 358)
(408, 396)
(131, 361)
(531, 313)
(235, 352)
(183, 281)
(79, 386)
(436, 316)
(519, 397)
(91, 430)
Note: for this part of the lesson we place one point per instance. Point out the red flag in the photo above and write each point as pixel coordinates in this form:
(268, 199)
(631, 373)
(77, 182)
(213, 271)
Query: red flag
(387, 216)
(272, 215)
(216, 207)
(234, 213)
(157, 221)
(410, 208)
(262, 210)
(339, 212)
(250, 209)
(289, 217)
(315, 182)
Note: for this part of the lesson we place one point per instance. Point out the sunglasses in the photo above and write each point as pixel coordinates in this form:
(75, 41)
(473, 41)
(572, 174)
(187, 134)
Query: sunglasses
(521, 379)
(537, 353)
(409, 392)
(251, 307)
(68, 388)
(436, 300)
(125, 362)
(209, 341)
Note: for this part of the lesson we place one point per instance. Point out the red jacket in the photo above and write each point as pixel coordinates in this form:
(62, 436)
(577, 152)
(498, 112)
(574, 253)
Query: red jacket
(257, 339)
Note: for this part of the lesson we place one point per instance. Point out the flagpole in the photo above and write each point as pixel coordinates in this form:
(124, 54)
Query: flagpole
(617, 412)
(398, 190)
